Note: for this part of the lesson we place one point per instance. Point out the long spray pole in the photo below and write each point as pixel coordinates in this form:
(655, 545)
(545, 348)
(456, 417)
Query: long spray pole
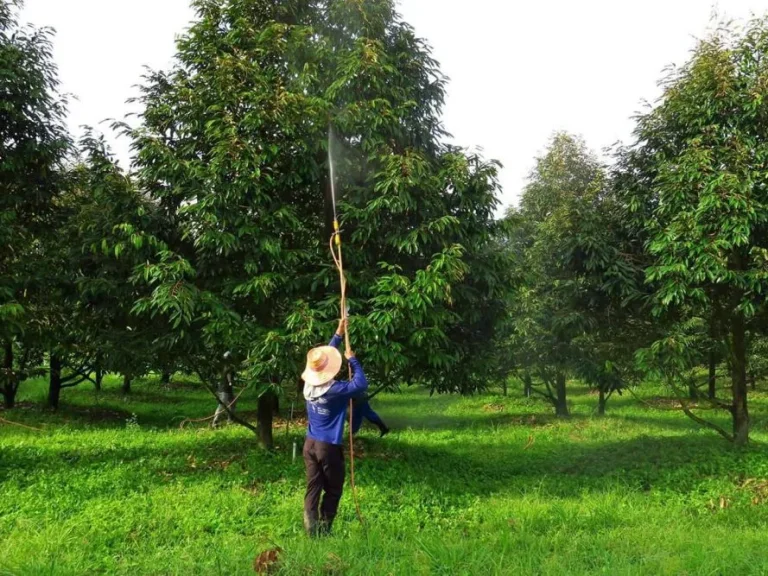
(339, 260)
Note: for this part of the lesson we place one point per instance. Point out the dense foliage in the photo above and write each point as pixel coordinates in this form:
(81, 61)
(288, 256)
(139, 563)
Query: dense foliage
(211, 257)
(33, 146)
(234, 148)
(701, 165)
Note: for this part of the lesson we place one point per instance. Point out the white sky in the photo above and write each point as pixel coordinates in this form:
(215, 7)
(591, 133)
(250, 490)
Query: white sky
(519, 69)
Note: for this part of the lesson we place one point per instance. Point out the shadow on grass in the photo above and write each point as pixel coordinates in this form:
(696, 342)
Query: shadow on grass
(431, 420)
(673, 465)
(154, 408)
(678, 421)
(470, 465)
(108, 413)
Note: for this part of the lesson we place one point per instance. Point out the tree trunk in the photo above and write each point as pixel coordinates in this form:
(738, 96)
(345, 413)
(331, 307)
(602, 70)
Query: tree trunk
(264, 414)
(527, 385)
(739, 382)
(165, 379)
(99, 379)
(561, 403)
(693, 391)
(127, 383)
(54, 382)
(601, 403)
(504, 386)
(9, 398)
(712, 375)
(226, 395)
(752, 381)
(10, 384)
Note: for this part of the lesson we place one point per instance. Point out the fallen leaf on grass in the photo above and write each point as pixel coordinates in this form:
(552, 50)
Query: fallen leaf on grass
(223, 464)
(389, 455)
(254, 489)
(721, 504)
(266, 562)
(663, 403)
(759, 489)
(493, 407)
(530, 442)
(335, 566)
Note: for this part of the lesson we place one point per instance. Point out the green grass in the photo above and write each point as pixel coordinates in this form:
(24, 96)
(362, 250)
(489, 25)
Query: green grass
(484, 485)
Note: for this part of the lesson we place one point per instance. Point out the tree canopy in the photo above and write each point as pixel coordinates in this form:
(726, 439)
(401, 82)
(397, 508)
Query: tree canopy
(703, 152)
(233, 145)
(209, 254)
(33, 147)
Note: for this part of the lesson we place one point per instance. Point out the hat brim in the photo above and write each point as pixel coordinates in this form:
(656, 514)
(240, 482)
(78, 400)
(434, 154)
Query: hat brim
(322, 377)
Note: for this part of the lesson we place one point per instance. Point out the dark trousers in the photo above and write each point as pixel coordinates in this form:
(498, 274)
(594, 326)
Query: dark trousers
(325, 476)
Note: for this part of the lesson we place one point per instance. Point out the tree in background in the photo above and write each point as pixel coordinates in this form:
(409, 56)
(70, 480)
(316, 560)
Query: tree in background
(605, 252)
(233, 147)
(607, 259)
(108, 227)
(33, 147)
(548, 323)
(700, 161)
(214, 257)
(578, 306)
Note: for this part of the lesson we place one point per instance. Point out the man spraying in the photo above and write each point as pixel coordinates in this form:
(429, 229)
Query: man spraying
(327, 400)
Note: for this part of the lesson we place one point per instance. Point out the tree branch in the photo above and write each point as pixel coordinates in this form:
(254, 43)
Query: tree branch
(547, 396)
(83, 371)
(72, 384)
(4, 421)
(376, 392)
(224, 405)
(24, 359)
(550, 393)
(698, 419)
(718, 404)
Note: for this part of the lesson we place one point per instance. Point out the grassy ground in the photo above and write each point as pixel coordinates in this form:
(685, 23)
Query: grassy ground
(486, 485)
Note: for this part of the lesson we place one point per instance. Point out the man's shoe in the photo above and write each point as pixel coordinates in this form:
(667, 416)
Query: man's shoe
(324, 528)
(311, 526)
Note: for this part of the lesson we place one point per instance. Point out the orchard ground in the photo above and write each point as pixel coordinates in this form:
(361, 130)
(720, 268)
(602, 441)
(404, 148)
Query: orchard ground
(481, 485)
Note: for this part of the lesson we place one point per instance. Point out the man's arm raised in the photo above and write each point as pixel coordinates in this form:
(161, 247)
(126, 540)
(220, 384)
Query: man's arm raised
(338, 338)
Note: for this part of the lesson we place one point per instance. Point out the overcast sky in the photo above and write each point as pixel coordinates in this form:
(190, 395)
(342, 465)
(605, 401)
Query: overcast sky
(519, 69)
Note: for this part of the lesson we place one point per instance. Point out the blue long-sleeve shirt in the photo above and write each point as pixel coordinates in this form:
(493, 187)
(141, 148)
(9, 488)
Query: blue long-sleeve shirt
(326, 414)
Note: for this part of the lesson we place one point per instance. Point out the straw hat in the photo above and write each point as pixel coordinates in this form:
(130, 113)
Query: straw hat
(323, 363)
